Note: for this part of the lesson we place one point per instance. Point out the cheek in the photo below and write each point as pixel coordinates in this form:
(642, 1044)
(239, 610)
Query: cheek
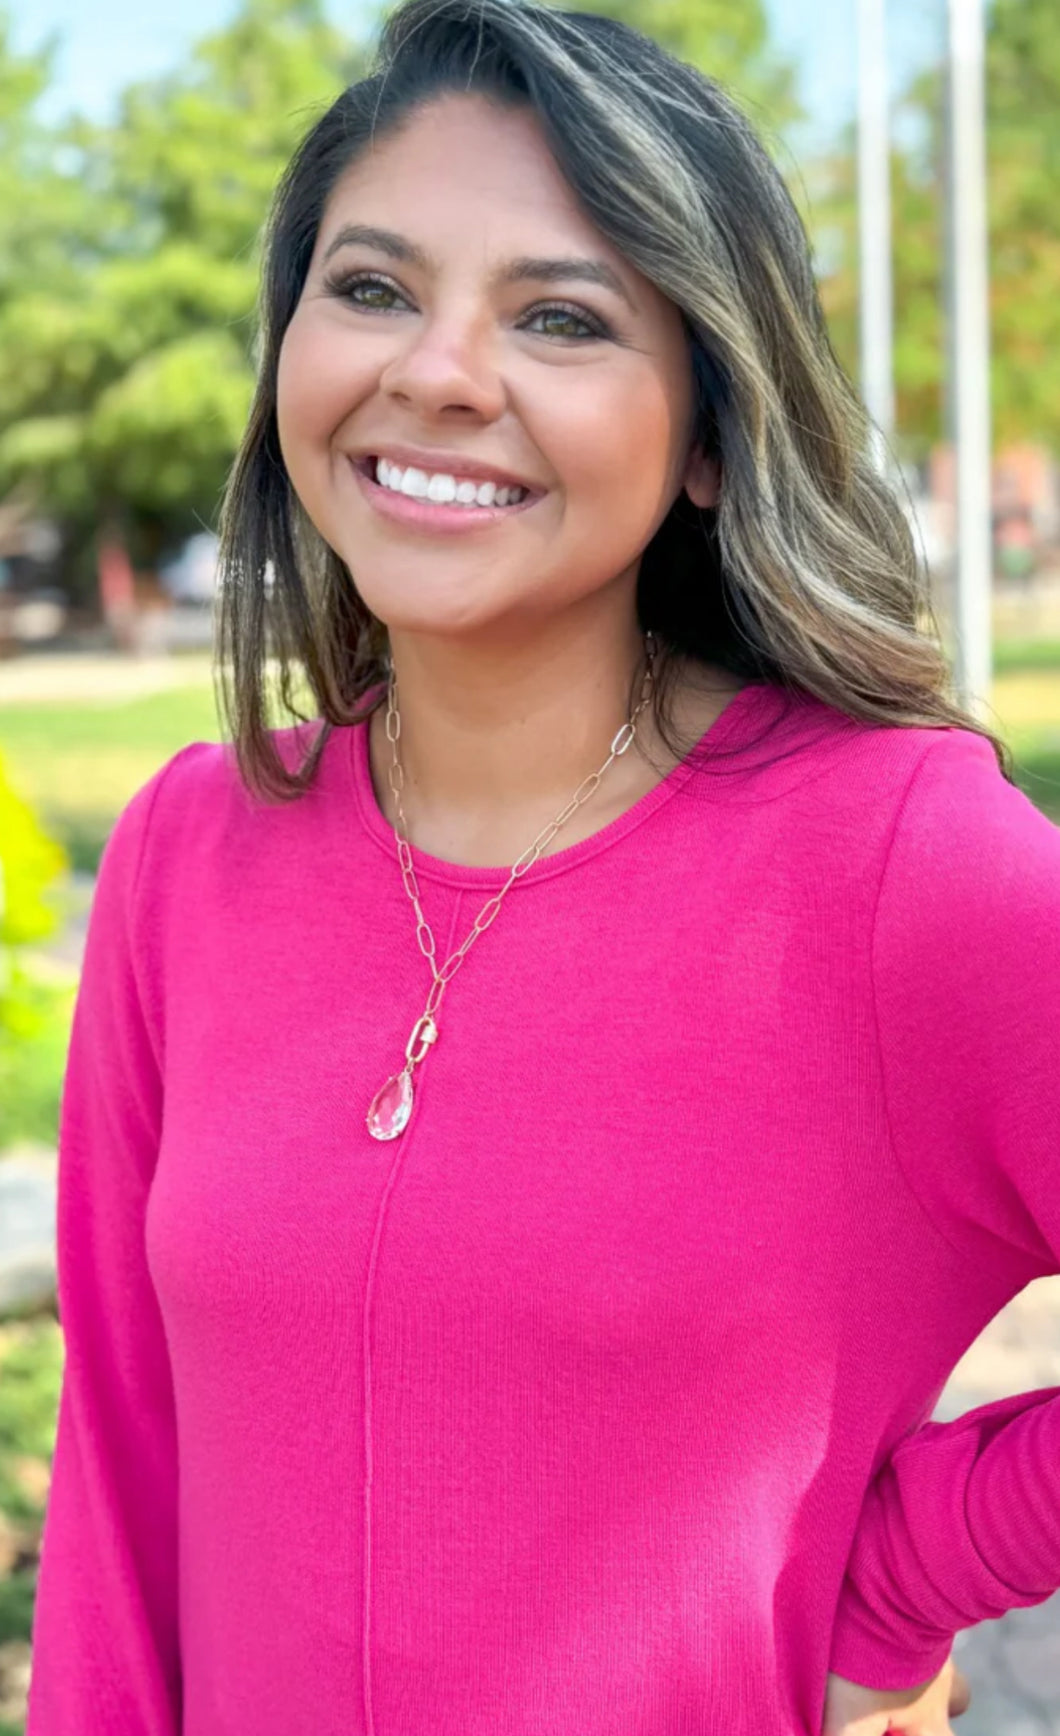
(623, 448)
(316, 388)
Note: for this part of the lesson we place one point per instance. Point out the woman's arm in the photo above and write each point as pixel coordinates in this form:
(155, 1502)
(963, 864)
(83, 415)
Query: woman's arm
(105, 1634)
(962, 1523)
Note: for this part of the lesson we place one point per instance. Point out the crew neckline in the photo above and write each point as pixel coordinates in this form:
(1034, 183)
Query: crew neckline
(742, 704)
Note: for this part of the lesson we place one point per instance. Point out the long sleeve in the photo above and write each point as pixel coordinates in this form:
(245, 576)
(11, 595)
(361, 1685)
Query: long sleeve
(105, 1652)
(962, 1521)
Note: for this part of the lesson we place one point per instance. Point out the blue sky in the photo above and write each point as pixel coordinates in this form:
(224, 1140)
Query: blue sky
(107, 43)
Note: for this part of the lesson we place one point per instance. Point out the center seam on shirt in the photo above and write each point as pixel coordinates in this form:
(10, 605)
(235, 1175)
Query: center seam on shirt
(404, 1145)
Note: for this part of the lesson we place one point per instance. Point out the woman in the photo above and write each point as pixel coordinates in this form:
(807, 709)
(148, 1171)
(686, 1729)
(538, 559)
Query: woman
(540, 1130)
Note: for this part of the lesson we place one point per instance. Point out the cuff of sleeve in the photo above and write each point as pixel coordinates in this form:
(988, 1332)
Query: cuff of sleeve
(865, 1650)
(914, 1577)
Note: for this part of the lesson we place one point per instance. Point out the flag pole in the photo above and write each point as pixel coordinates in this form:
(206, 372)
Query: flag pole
(875, 291)
(969, 352)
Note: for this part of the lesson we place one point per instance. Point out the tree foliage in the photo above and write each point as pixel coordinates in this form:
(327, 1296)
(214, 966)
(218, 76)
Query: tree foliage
(125, 366)
(1023, 64)
(35, 203)
(1023, 175)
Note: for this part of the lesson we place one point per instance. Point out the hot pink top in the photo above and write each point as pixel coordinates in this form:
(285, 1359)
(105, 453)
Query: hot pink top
(597, 1403)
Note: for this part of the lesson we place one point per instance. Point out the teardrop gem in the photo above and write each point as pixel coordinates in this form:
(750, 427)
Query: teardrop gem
(391, 1107)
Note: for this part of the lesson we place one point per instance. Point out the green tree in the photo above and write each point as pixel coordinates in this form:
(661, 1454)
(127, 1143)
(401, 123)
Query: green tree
(919, 313)
(125, 378)
(1023, 70)
(37, 207)
(1023, 170)
(30, 863)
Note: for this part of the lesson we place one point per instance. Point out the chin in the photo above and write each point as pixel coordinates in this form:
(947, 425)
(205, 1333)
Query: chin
(458, 622)
(436, 610)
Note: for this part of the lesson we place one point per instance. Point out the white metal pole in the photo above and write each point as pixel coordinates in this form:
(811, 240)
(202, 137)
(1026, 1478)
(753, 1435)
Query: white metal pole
(876, 295)
(970, 353)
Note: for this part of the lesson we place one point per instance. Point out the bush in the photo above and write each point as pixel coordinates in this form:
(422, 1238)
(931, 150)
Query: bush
(34, 1017)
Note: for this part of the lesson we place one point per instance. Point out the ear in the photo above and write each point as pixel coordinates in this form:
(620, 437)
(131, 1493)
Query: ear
(702, 479)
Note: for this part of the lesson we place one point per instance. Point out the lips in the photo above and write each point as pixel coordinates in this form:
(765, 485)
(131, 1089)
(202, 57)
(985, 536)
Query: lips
(427, 515)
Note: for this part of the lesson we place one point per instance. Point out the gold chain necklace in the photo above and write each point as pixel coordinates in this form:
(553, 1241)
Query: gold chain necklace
(391, 1107)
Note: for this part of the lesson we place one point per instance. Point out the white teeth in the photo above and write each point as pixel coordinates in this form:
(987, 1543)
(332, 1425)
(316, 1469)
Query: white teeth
(415, 482)
(445, 489)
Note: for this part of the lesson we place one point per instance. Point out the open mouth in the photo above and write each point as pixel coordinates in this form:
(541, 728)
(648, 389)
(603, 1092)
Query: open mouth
(458, 495)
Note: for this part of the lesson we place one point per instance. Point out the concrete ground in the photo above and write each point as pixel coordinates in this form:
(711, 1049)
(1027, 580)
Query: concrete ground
(87, 675)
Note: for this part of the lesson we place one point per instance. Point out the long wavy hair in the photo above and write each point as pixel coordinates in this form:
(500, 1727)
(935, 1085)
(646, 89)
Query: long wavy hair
(806, 574)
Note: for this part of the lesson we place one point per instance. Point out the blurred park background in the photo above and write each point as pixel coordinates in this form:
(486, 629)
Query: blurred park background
(137, 156)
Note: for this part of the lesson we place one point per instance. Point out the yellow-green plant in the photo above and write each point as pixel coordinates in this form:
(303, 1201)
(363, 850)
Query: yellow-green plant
(30, 861)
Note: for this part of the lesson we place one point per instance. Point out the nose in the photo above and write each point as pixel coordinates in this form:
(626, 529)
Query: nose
(448, 364)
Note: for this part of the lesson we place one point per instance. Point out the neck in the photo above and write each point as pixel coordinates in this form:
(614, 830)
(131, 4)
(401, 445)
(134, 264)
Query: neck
(495, 740)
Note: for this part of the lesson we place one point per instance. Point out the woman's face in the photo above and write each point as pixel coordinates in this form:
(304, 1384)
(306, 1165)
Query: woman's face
(441, 339)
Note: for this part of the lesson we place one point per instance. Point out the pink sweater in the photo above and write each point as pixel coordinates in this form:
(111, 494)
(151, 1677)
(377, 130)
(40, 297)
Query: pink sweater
(597, 1403)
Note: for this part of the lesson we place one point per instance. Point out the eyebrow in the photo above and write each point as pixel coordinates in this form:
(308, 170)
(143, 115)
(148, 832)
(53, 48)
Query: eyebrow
(515, 271)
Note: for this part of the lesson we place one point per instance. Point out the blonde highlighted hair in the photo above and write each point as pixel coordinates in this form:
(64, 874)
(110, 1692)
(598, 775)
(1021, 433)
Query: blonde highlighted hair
(806, 573)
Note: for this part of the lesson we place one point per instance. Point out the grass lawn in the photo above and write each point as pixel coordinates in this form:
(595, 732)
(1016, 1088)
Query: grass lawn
(1012, 655)
(31, 1360)
(78, 764)
(1026, 711)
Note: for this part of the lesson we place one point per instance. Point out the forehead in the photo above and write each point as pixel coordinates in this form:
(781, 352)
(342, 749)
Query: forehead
(464, 172)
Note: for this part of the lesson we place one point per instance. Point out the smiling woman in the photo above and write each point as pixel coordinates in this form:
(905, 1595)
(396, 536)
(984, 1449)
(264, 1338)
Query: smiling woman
(601, 290)
(586, 406)
(521, 1190)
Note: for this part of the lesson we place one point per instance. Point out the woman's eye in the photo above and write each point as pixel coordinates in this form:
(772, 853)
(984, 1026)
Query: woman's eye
(592, 328)
(345, 286)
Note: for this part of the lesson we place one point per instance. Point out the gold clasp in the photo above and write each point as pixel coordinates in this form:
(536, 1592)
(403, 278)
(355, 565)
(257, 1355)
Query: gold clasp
(424, 1033)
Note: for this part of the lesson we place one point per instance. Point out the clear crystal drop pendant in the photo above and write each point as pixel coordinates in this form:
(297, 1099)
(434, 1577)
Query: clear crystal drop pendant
(390, 1108)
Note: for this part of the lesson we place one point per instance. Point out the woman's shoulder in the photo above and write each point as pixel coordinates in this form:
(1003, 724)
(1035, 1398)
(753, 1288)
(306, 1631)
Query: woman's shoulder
(198, 776)
(187, 774)
(953, 816)
(777, 740)
(961, 817)
(965, 955)
(969, 888)
(198, 799)
(949, 832)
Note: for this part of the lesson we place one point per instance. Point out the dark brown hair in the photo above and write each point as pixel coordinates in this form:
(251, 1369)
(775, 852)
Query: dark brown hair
(805, 575)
